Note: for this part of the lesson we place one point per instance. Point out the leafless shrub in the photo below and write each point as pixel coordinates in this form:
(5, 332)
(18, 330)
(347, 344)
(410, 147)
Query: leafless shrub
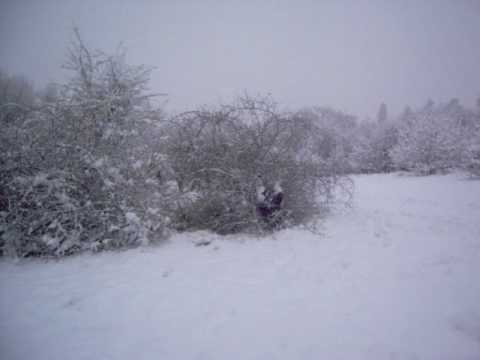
(219, 158)
(92, 144)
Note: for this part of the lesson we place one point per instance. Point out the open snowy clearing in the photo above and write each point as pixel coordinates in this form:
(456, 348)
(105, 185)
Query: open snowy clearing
(395, 277)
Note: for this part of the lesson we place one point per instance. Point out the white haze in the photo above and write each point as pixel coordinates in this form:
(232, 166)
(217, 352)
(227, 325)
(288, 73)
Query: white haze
(351, 55)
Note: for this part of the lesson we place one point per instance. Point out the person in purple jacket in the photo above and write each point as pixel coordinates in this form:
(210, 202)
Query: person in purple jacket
(269, 204)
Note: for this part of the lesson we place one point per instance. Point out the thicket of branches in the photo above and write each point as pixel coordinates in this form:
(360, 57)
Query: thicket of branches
(435, 138)
(93, 164)
(78, 160)
(219, 158)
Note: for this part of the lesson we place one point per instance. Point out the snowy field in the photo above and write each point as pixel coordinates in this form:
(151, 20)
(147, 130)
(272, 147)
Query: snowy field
(395, 277)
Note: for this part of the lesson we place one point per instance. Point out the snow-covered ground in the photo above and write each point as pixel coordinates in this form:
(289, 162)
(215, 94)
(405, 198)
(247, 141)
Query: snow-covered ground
(395, 277)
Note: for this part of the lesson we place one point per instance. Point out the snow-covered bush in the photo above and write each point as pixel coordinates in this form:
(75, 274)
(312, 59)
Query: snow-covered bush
(219, 157)
(72, 206)
(469, 121)
(429, 141)
(471, 154)
(94, 146)
(333, 134)
(16, 99)
(107, 111)
(472, 158)
(55, 214)
(372, 145)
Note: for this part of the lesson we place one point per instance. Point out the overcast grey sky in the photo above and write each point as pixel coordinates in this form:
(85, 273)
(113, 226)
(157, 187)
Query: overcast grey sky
(351, 55)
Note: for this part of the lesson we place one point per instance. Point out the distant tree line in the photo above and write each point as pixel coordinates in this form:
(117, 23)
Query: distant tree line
(94, 164)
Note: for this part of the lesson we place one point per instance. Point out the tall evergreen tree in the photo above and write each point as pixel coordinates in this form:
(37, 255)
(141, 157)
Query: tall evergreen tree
(382, 115)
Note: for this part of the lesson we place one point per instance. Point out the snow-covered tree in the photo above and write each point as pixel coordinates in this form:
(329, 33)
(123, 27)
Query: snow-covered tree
(333, 135)
(471, 154)
(89, 156)
(431, 140)
(220, 157)
(372, 145)
(382, 115)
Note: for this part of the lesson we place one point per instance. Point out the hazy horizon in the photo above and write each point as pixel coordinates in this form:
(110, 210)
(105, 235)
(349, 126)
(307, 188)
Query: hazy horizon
(351, 55)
